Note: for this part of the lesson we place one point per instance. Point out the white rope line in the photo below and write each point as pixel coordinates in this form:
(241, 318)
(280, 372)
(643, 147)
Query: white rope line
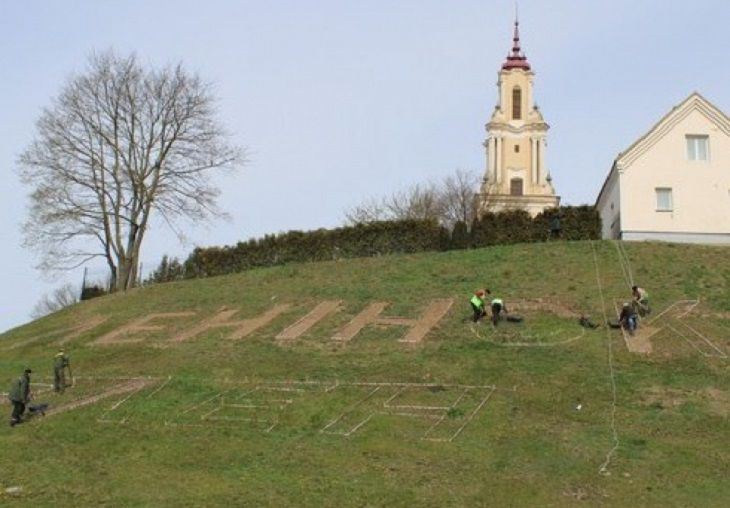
(528, 344)
(622, 263)
(471, 416)
(692, 303)
(708, 341)
(415, 415)
(684, 337)
(627, 261)
(354, 429)
(214, 410)
(692, 343)
(443, 416)
(169, 378)
(350, 409)
(398, 392)
(603, 469)
(196, 406)
(125, 399)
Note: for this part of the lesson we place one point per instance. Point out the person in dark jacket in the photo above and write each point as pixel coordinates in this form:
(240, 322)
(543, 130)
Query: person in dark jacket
(627, 318)
(60, 364)
(498, 307)
(19, 396)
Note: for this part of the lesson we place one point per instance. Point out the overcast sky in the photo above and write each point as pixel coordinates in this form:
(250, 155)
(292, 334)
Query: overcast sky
(339, 101)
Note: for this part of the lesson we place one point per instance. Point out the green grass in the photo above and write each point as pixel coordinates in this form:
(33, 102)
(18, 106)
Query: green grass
(527, 446)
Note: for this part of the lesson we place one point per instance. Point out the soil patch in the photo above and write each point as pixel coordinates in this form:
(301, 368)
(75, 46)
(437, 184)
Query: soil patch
(308, 321)
(432, 314)
(640, 342)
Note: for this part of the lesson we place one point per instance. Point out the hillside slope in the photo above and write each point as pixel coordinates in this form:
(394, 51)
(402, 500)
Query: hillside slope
(363, 382)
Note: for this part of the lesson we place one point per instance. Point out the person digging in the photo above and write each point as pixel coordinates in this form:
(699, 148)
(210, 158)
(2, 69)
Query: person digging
(498, 307)
(627, 319)
(478, 304)
(641, 300)
(60, 364)
(19, 396)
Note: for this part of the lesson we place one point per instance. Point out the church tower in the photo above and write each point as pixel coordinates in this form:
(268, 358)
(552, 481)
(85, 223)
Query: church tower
(516, 174)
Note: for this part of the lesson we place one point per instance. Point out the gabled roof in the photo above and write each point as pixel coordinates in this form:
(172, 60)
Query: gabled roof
(695, 102)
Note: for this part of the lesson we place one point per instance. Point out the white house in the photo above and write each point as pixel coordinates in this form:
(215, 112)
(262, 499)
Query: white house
(673, 183)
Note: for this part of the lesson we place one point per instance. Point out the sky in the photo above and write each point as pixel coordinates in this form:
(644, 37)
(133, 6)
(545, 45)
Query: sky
(340, 101)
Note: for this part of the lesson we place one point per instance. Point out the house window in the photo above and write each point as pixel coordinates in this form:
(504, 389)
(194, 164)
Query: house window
(663, 199)
(515, 187)
(517, 148)
(516, 103)
(698, 148)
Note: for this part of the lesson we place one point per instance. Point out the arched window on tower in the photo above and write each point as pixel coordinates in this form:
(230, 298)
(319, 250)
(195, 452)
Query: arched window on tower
(515, 187)
(516, 103)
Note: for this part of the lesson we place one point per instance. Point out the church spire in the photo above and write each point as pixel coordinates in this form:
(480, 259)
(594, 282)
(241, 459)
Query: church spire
(516, 60)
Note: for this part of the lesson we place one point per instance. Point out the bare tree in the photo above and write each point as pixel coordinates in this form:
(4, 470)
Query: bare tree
(448, 201)
(120, 144)
(60, 298)
(371, 210)
(417, 202)
(458, 197)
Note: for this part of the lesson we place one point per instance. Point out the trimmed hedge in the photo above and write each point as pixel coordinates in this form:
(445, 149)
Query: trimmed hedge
(387, 237)
(361, 240)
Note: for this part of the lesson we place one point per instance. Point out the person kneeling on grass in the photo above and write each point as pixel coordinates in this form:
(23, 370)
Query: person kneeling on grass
(478, 304)
(498, 307)
(627, 318)
(585, 322)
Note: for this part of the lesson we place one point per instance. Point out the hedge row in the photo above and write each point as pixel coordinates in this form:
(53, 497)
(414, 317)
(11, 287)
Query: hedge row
(388, 237)
(362, 240)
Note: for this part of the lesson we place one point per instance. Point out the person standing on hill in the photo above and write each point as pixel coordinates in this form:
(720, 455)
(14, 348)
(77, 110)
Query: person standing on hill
(60, 364)
(19, 396)
(498, 307)
(641, 300)
(478, 304)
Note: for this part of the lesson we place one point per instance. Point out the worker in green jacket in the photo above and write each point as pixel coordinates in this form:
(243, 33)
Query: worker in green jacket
(19, 396)
(498, 307)
(60, 364)
(478, 304)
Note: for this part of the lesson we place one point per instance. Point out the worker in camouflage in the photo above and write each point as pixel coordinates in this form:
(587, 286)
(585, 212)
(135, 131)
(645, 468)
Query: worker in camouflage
(60, 364)
(19, 396)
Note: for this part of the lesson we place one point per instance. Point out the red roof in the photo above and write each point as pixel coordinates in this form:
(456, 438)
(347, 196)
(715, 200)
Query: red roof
(517, 59)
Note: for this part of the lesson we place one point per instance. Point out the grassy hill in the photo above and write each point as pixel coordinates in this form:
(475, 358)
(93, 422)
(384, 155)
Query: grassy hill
(469, 416)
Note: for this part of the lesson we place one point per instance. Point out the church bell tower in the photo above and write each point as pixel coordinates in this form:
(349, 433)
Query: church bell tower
(516, 174)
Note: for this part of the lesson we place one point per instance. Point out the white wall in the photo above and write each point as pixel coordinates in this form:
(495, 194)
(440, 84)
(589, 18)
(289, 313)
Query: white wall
(700, 189)
(609, 207)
